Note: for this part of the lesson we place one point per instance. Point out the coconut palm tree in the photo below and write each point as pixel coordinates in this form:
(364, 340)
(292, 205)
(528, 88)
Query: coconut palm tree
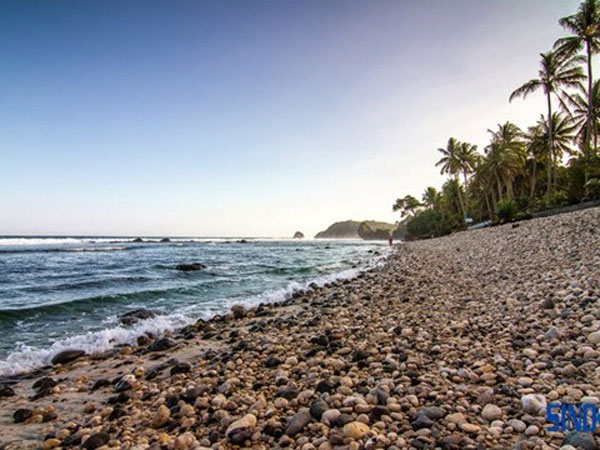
(537, 146)
(579, 112)
(564, 131)
(584, 27)
(506, 155)
(468, 158)
(431, 198)
(453, 163)
(558, 71)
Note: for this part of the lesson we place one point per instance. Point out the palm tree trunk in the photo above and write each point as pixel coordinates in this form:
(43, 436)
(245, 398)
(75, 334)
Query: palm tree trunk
(460, 199)
(586, 144)
(494, 201)
(533, 180)
(499, 185)
(487, 203)
(550, 149)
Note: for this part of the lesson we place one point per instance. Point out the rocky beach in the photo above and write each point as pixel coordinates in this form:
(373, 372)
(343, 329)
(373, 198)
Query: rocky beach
(455, 343)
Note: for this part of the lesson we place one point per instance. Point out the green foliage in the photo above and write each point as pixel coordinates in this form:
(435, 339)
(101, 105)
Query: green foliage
(369, 233)
(521, 173)
(507, 209)
(407, 205)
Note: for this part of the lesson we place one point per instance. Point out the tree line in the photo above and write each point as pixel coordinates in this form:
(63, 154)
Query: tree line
(553, 162)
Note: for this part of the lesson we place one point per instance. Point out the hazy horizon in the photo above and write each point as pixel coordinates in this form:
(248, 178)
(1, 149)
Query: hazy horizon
(248, 119)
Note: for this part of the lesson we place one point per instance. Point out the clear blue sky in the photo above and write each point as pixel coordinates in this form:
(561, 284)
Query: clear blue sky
(248, 117)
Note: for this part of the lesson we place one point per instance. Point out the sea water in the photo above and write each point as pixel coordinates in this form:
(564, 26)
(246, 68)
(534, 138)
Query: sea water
(70, 292)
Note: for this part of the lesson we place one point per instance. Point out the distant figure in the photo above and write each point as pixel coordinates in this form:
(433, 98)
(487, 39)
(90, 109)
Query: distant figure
(391, 240)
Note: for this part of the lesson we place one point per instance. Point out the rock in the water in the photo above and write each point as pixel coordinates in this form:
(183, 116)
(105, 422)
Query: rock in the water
(241, 430)
(190, 267)
(238, 311)
(298, 235)
(66, 356)
(131, 317)
(165, 240)
(581, 440)
(138, 240)
(96, 440)
(22, 414)
(298, 422)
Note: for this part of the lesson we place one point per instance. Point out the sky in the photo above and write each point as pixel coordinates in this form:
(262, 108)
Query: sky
(238, 118)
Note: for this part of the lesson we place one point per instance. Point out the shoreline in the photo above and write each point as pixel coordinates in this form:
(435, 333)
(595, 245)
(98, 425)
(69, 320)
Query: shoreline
(96, 343)
(454, 342)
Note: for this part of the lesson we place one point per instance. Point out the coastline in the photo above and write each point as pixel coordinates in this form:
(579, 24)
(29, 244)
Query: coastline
(109, 330)
(449, 343)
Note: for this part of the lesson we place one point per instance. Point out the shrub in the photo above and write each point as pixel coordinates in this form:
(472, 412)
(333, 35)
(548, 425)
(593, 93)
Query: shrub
(507, 209)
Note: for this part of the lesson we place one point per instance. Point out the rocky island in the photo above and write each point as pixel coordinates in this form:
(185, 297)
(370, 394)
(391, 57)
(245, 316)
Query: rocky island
(457, 342)
(352, 229)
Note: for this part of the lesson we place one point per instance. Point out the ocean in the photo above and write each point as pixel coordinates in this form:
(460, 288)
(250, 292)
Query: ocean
(71, 292)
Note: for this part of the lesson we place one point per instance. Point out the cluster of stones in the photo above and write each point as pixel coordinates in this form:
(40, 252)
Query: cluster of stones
(455, 343)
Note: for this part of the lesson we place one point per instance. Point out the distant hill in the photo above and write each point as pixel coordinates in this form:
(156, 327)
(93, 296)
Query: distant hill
(349, 229)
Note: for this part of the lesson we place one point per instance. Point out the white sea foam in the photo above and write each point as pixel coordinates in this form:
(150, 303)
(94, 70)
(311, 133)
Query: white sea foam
(23, 241)
(27, 358)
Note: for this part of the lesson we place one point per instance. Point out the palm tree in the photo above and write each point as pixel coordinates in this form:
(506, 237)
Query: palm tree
(453, 163)
(584, 27)
(408, 205)
(579, 112)
(537, 147)
(507, 151)
(468, 157)
(563, 131)
(431, 198)
(558, 71)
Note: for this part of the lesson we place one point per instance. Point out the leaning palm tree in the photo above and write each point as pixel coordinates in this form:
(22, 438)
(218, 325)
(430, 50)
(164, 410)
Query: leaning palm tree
(584, 27)
(453, 164)
(558, 71)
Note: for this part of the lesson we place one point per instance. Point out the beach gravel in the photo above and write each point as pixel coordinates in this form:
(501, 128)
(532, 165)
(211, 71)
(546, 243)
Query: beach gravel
(454, 343)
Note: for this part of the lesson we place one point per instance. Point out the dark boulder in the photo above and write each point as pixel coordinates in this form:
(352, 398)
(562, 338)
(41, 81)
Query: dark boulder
(6, 391)
(96, 440)
(22, 414)
(165, 240)
(138, 240)
(67, 356)
(190, 267)
(298, 235)
(317, 408)
(131, 317)
(298, 422)
(581, 440)
(181, 367)
(161, 345)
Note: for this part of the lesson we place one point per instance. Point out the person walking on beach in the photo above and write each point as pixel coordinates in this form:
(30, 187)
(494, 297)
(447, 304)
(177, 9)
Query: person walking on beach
(391, 240)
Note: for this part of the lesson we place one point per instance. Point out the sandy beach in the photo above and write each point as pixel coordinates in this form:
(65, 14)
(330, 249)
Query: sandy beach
(457, 342)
